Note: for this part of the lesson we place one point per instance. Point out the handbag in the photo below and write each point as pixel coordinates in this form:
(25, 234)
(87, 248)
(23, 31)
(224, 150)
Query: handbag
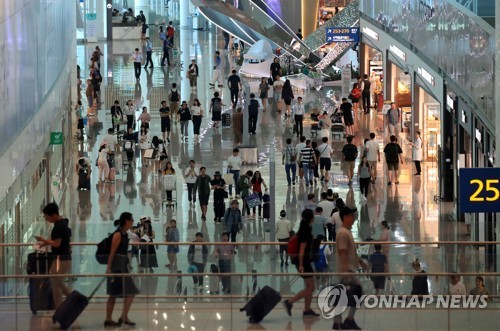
(149, 153)
(253, 200)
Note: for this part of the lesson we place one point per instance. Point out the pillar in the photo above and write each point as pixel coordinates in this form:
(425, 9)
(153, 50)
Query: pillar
(309, 12)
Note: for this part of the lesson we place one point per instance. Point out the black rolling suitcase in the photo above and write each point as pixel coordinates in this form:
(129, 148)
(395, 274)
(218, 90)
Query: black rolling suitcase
(39, 289)
(261, 304)
(266, 206)
(226, 120)
(72, 307)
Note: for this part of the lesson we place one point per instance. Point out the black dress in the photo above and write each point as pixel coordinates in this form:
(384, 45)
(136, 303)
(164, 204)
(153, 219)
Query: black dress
(148, 255)
(121, 286)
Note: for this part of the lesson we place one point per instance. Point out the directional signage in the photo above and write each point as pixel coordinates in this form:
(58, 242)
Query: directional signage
(479, 190)
(335, 35)
(56, 138)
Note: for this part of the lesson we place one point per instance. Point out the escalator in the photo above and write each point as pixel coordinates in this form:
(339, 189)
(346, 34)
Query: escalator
(251, 24)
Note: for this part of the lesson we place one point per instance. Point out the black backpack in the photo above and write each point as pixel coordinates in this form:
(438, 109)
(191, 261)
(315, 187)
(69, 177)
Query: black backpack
(216, 105)
(174, 96)
(104, 249)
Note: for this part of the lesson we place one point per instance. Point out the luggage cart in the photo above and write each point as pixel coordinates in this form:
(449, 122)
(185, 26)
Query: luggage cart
(170, 184)
(128, 154)
(176, 57)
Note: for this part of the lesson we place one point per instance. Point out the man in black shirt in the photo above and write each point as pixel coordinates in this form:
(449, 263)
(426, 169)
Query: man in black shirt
(253, 114)
(349, 155)
(165, 121)
(393, 155)
(366, 94)
(234, 84)
(346, 108)
(61, 251)
(275, 68)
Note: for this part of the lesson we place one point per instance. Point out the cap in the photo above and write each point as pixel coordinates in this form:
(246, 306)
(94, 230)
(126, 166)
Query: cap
(143, 217)
(282, 213)
(344, 211)
(217, 173)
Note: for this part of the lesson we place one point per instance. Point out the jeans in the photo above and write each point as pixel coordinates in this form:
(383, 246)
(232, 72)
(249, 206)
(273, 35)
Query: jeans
(308, 172)
(331, 231)
(417, 166)
(130, 121)
(252, 122)
(196, 124)
(364, 183)
(366, 101)
(198, 280)
(299, 124)
(192, 80)
(234, 96)
(166, 55)
(217, 77)
(225, 267)
(293, 168)
(137, 69)
(236, 178)
(234, 231)
(149, 59)
(184, 128)
(191, 193)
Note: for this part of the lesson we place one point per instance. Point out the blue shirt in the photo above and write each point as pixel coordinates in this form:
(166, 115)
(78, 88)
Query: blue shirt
(378, 261)
(149, 46)
(217, 62)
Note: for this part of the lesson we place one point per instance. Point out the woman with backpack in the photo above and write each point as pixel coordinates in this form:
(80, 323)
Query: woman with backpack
(172, 236)
(120, 287)
(300, 248)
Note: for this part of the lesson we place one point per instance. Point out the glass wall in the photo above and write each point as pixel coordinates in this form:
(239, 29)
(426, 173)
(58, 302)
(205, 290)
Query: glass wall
(439, 30)
(34, 48)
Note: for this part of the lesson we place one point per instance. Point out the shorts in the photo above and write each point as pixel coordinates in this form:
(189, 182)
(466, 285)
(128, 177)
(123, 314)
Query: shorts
(373, 164)
(288, 102)
(325, 163)
(392, 166)
(378, 282)
(350, 164)
(203, 199)
(307, 267)
(348, 121)
(355, 100)
(300, 165)
(165, 124)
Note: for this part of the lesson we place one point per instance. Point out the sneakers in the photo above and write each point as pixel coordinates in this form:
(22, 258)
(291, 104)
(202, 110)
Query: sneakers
(288, 307)
(310, 313)
(349, 324)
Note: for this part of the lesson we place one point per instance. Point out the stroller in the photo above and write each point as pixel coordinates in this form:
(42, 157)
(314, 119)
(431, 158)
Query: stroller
(170, 186)
(338, 126)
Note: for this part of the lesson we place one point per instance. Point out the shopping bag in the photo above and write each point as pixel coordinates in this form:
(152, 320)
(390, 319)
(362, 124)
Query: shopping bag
(253, 200)
(229, 179)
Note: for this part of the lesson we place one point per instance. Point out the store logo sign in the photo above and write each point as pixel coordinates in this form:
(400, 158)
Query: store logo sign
(370, 33)
(398, 52)
(426, 76)
(449, 101)
(479, 135)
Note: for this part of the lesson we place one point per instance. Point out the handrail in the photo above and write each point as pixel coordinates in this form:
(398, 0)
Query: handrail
(264, 243)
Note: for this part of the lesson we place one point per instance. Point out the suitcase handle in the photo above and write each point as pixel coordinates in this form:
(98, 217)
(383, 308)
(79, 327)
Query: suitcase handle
(97, 288)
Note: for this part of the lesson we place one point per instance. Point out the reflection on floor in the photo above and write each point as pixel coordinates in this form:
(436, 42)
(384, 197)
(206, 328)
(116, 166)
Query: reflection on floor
(409, 208)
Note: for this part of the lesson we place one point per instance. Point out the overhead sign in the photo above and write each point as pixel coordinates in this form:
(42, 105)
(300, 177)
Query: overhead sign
(426, 76)
(56, 138)
(398, 52)
(479, 190)
(335, 35)
(370, 33)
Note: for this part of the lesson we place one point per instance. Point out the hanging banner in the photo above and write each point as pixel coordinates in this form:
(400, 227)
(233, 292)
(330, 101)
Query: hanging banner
(91, 27)
(346, 81)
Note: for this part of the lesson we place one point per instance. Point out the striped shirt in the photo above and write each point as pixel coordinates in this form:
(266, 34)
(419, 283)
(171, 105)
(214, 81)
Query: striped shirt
(307, 154)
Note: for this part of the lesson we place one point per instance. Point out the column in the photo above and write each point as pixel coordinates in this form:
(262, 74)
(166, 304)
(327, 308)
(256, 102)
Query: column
(184, 14)
(497, 109)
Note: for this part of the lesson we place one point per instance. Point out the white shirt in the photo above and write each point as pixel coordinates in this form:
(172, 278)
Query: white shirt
(195, 110)
(327, 207)
(298, 109)
(137, 57)
(417, 150)
(234, 163)
(326, 151)
(129, 110)
(111, 141)
(373, 148)
(299, 147)
(283, 228)
(278, 85)
(335, 220)
(190, 175)
(103, 154)
(457, 289)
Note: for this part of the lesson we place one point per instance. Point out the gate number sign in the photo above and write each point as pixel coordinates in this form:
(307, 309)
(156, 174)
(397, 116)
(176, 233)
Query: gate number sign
(479, 190)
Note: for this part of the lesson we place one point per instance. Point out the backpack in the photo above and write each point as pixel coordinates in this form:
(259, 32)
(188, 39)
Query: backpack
(293, 248)
(216, 105)
(174, 96)
(170, 31)
(103, 250)
(320, 264)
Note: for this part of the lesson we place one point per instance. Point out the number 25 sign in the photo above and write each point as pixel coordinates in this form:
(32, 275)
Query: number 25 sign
(479, 190)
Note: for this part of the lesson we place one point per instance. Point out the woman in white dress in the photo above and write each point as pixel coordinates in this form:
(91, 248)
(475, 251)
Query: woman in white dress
(144, 143)
(325, 125)
(417, 152)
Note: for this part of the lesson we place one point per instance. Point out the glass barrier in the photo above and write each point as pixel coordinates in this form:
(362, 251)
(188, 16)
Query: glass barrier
(443, 29)
(212, 294)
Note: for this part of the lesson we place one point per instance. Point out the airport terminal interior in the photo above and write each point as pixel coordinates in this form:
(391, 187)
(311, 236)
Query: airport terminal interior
(66, 63)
